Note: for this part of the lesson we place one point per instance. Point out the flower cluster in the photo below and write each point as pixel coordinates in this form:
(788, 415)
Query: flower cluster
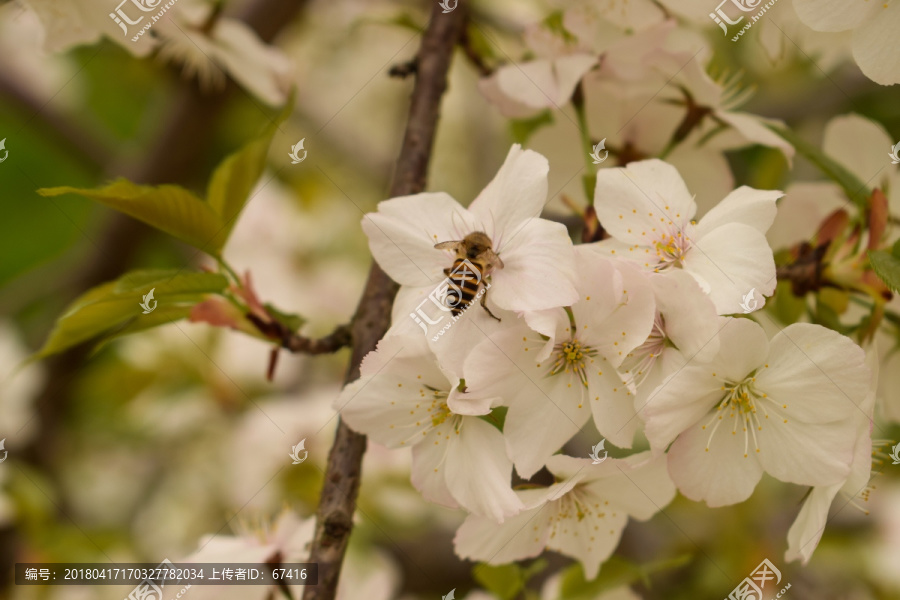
(635, 334)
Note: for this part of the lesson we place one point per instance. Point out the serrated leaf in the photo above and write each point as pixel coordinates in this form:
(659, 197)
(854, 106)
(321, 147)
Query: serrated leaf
(504, 581)
(113, 308)
(523, 129)
(234, 178)
(856, 190)
(204, 224)
(169, 208)
(887, 266)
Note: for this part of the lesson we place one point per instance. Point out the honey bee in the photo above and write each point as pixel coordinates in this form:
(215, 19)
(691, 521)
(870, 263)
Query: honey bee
(475, 260)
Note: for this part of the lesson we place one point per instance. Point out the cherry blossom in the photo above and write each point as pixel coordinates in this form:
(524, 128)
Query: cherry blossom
(806, 531)
(582, 515)
(564, 368)
(404, 399)
(874, 26)
(785, 407)
(538, 260)
(647, 210)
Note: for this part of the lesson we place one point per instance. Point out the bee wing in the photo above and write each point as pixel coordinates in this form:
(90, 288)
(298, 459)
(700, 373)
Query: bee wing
(494, 259)
(455, 246)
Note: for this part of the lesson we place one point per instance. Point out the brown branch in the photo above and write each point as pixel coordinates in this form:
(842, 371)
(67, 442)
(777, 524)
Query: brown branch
(341, 337)
(334, 518)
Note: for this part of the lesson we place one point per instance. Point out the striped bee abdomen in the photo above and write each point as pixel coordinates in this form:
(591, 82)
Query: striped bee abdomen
(464, 282)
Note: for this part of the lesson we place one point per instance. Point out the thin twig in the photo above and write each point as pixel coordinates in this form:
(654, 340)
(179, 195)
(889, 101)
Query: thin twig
(334, 518)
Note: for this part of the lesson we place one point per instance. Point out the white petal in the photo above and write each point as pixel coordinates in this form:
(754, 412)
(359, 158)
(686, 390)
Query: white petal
(805, 453)
(590, 539)
(539, 268)
(569, 70)
(833, 15)
(612, 405)
(403, 232)
(542, 418)
(690, 316)
(732, 260)
(517, 193)
(614, 324)
(521, 536)
(509, 108)
(875, 47)
(818, 373)
(804, 535)
(262, 69)
(679, 403)
(637, 196)
(745, 205)
(720, 475)
(802, 210)
(478, 472)
(858, 144)
(639, 485)
(429, 469)
(754, 130)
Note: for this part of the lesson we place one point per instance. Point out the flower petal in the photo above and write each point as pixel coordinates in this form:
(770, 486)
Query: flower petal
(805, 453)
(403, 232)
(429, 469)
(818, 373)
(539, 268)
(732, 260)
(518, 537)
(478, 472)
(714, 467)
(745, 205)
(753, 129)
(516, 194)
(858, 144)
(875, 47)
(806, 531)
(833, 15)
(635, 198)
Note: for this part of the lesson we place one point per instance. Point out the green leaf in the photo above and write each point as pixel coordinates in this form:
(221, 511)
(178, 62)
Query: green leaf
(114, 308)
(504, 581)
(204, 224)
(234, 178)
(523, 129)
(615, 572)
(169, 208)
(887, 266)
(290, 320)
(856, 190)
(787, 307)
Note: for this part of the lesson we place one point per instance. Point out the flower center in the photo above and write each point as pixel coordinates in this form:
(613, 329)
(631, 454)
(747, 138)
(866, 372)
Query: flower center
(570, 357)
(671, 249)
(438, 411)
(640, 361)
(741, 404)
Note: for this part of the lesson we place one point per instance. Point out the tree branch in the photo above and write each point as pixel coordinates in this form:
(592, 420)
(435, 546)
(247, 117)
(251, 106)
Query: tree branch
(334, 518)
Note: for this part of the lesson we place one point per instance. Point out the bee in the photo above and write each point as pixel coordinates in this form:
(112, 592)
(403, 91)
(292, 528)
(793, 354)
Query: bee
(475, 260)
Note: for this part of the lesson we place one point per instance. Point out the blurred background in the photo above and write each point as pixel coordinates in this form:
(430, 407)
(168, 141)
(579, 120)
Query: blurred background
(145, 447)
